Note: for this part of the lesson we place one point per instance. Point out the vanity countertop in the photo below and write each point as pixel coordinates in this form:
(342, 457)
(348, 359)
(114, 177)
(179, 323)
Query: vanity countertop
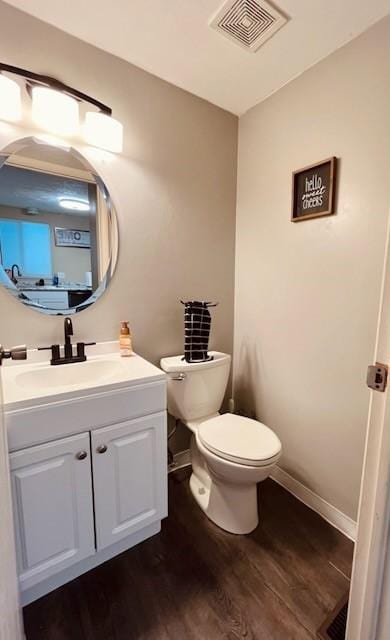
(30, 385)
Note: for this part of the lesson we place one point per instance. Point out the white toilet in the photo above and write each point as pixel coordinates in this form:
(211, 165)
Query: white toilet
(230, 454)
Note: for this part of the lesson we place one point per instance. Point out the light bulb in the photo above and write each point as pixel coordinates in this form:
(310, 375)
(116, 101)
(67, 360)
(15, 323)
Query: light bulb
(55, 111)
(10, 100)
(101, 130)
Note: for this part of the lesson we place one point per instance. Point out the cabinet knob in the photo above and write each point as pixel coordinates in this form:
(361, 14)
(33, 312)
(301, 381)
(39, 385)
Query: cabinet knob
(102, 448)
(81, 455)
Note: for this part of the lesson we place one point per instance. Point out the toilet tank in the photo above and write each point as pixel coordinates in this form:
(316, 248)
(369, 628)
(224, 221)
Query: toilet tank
(196, 389)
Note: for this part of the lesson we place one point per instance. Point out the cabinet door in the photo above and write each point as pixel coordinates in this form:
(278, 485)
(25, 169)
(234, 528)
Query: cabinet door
(53, 507)
(130, 477)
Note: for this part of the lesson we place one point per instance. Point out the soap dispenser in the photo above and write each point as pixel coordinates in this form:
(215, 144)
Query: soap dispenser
(125, 344)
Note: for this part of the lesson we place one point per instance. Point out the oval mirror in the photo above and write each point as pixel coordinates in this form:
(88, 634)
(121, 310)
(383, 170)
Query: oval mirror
(58, 228)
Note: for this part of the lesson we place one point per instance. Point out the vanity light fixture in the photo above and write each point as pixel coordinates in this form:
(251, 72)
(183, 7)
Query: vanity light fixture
(103, 131)
(55, 111)
(73, 204)
(55, 108)
(10, 100)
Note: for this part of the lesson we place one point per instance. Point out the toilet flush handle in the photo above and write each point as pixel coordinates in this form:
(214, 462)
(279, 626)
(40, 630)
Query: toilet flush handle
(179, 377)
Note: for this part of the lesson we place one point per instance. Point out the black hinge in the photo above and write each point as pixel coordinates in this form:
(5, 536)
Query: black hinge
(377, 376)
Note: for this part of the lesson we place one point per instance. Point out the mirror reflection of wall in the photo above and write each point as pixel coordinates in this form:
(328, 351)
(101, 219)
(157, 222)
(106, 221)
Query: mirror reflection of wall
(55, 227)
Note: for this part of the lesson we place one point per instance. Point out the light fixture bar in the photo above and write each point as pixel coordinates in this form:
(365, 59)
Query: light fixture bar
(53, 83)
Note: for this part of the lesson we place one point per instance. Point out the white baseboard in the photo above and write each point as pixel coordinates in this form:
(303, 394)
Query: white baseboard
(336, 518)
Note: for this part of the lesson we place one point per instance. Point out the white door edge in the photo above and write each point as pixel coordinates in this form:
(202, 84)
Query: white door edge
(372, 533)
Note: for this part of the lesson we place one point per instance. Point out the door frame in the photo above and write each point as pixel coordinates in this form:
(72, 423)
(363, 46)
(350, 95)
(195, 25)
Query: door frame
(373, 515)
(11, 622)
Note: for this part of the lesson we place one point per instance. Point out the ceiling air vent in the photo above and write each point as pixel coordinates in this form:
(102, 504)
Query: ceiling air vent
(248, 23)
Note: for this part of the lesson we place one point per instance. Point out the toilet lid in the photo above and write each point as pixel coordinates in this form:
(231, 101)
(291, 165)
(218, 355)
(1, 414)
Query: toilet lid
(240, 439)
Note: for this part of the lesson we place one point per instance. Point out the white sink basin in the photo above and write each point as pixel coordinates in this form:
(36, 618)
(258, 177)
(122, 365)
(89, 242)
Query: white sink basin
(69, 375)
(37, 383)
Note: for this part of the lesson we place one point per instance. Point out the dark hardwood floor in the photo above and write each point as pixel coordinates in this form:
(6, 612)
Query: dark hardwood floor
(193, 581)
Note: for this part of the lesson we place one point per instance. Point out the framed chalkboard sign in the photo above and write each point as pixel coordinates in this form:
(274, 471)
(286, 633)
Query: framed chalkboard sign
(313, 190)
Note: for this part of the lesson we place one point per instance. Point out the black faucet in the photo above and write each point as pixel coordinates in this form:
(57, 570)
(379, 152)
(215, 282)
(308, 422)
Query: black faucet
(68, 356)
(13, 278)
(68, 331)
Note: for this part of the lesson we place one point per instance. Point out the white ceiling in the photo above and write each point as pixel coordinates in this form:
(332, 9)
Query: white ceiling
(172, 39)
(26, 189)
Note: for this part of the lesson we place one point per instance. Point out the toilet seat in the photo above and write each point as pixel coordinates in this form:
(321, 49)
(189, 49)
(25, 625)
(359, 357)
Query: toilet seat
(240, 440)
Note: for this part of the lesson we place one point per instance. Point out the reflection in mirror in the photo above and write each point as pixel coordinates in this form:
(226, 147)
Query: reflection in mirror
(58, 230)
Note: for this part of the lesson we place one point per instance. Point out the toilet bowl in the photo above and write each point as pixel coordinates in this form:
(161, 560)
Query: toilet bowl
(230, 454)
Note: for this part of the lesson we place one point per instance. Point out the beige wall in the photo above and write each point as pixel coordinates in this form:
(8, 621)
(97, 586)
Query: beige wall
(307, 294)
(174, 188)
(74, 262)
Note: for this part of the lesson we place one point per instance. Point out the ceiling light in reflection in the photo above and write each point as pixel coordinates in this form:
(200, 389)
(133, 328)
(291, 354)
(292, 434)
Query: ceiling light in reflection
(74, 205)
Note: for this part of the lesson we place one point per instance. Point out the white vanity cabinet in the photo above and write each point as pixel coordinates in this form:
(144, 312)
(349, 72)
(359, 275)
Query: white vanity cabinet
(88, 469)
(53, 507)
(129, 472)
